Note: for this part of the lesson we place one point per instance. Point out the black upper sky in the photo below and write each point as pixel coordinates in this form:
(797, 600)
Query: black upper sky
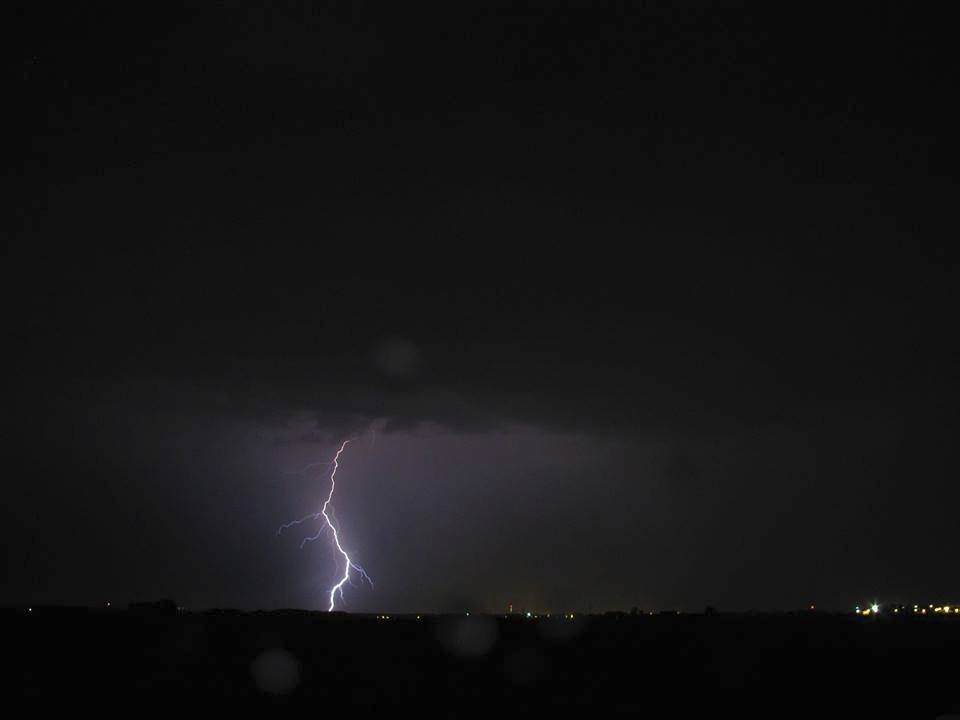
(630, 304)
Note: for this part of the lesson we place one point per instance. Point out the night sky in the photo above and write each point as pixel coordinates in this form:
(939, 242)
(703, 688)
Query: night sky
(625, 304)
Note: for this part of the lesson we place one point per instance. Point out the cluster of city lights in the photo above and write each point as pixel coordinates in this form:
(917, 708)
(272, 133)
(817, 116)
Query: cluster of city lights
(939, 610)
(537, 616)
(917, 610)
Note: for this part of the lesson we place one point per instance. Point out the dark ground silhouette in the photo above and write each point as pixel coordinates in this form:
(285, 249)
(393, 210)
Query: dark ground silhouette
(685, 665)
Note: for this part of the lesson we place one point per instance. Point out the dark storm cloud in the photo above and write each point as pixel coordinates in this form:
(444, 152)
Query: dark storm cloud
(697, 254)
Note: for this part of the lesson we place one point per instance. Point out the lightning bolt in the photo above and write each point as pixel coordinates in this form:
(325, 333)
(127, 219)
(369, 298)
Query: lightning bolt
(331, 525)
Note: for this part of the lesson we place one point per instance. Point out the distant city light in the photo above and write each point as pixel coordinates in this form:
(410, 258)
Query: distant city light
(918, 609)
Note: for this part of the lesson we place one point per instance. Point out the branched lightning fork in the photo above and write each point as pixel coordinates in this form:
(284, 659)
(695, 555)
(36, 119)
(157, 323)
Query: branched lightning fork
(329, 523)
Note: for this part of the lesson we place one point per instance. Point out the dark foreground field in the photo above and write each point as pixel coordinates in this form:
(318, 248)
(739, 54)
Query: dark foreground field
(665, 665)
